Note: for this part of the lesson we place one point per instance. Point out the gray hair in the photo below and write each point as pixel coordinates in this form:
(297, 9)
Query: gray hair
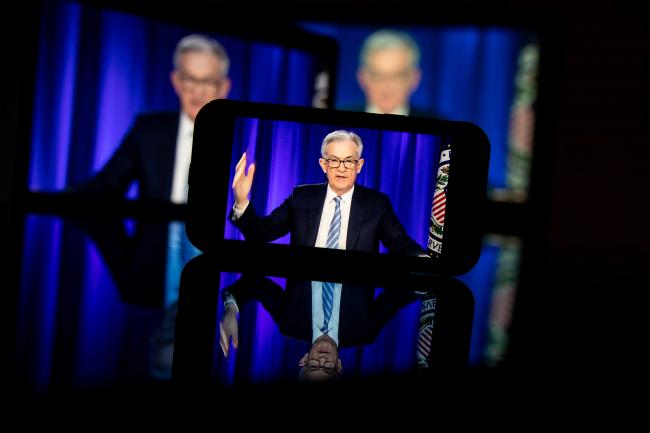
(341, 135)
(386, 39)
(196, 43)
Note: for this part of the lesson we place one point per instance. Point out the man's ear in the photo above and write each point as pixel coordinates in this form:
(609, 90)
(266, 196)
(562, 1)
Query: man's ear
(303, 360)
(359, 165)
(415, 80)
(176, 81)
(361, 78)
(224, 91)
(323, 165)
(339, 366)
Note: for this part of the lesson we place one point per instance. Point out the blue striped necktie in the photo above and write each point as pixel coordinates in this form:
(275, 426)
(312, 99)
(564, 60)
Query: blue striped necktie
(332, 242)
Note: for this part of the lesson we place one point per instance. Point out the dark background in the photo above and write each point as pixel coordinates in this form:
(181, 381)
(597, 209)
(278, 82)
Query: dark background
(584, 299)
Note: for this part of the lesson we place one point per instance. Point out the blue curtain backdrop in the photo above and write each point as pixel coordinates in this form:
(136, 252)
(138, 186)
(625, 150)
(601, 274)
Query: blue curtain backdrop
(96, 70)
(400, 164)
(468, 74)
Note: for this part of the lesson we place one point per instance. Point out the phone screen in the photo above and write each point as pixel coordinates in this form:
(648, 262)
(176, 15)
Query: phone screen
(432, 172)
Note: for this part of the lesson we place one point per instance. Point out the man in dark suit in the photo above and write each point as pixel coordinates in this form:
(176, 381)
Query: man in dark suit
(156, 153)
(156, 150)
(389, 73)
(366, 216)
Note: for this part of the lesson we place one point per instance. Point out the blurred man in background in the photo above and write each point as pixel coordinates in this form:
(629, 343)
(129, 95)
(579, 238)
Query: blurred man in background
(156, 150)
(389, 73)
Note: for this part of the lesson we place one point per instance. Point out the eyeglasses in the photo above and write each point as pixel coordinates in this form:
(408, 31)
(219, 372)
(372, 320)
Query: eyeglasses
(191, 83)
(335, 162)
(396, 77)
(328, 366)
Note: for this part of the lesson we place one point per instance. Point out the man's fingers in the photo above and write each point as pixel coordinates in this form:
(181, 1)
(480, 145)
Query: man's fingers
(235, 180)
(251, 172)
(239, 170)
(235, 338)
(242, 161)
(239, 173)
(223, 341)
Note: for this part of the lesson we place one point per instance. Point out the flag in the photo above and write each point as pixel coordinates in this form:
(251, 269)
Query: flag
(439, 204)
(434, 246)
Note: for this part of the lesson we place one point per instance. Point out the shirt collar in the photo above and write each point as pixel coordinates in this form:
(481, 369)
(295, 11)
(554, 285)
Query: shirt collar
(186, 126)
(346, 198)
(403, 110)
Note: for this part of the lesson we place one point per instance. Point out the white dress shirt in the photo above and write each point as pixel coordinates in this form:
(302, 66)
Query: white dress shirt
(403, 110)
(328, 213)
(179, 248)
(317, 315)
(182, 160)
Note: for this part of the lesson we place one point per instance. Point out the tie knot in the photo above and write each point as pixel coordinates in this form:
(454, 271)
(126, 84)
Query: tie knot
(337, 199)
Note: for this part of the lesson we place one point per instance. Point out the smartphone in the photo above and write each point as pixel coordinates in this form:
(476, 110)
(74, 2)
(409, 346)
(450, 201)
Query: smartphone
(434, 173)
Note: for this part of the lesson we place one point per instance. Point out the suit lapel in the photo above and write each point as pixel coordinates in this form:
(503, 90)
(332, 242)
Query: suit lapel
(356, 218)
(317, 201)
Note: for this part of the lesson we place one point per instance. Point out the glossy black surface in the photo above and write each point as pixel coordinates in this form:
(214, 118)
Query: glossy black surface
(103, 311)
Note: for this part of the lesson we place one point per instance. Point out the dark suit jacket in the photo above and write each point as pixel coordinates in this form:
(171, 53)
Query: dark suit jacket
(147, 155)
(361, 315)
(372, 220)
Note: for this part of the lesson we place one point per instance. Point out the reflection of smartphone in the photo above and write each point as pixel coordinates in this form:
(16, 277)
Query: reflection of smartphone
(433, 171)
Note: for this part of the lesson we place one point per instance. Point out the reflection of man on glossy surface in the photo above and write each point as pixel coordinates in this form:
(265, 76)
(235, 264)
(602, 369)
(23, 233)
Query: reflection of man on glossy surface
(287, 308)
(356, 320)
(389, 72)
(322, 362)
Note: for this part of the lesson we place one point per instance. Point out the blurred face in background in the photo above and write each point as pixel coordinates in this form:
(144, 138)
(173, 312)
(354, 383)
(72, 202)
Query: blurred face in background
(198, 81)
(389, 78)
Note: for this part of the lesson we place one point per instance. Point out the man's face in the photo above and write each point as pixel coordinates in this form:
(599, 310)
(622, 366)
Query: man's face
(199, 81)
(341, 179)
(322, 361)
(389, 78)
